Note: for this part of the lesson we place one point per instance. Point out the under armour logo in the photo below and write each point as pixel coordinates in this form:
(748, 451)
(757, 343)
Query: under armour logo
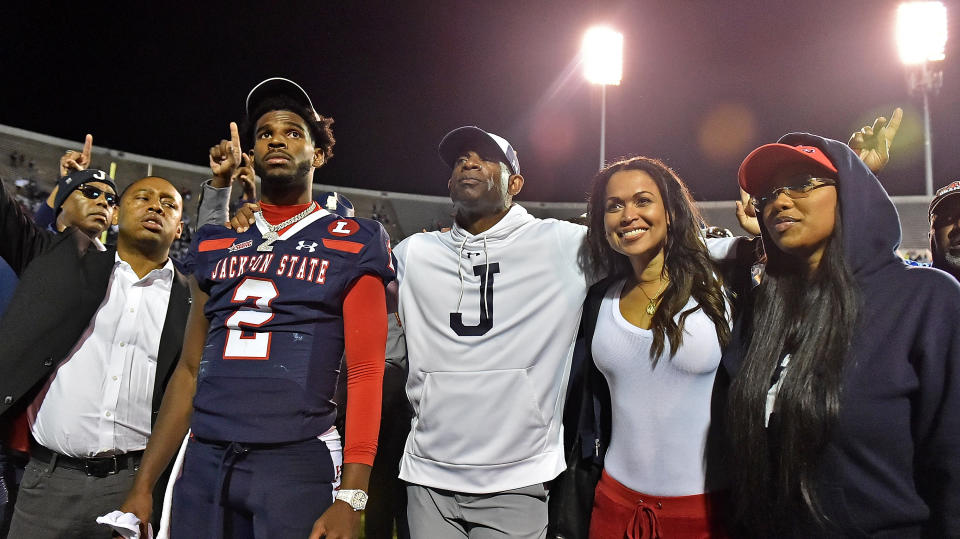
(305, 245)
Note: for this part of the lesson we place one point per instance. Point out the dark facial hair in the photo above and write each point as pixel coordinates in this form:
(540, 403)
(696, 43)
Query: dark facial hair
(281, 182)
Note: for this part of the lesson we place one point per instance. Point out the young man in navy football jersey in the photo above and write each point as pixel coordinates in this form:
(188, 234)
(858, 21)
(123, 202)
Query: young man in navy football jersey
(274, 308)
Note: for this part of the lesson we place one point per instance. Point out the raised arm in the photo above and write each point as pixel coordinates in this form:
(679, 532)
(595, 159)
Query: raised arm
(227, 164)
(872, 143)
(74, 160)
(21, 240)
(46, 216)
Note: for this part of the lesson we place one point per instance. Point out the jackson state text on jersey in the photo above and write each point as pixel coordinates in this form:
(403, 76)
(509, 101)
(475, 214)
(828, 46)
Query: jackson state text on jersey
(272, 354)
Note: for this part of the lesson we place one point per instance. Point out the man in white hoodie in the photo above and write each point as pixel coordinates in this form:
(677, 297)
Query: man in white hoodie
(490, 309)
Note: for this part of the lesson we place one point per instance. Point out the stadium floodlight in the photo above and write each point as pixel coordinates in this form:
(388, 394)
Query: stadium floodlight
(922, 38)
(602, 54)
(921, 32)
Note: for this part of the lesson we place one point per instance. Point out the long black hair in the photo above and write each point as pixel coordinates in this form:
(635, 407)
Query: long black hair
(811, 316)
(686, 262)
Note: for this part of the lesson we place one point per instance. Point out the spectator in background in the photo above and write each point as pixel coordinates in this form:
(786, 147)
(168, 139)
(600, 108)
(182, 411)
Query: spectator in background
(60, 212)
(945, 229)
(86, 200)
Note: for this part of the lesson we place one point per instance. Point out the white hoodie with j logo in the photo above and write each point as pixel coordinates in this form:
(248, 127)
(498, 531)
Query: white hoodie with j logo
(490, 323)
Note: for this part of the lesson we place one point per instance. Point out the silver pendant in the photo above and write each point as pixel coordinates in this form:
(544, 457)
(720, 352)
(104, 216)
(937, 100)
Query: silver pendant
(651, 308)
(269, 237)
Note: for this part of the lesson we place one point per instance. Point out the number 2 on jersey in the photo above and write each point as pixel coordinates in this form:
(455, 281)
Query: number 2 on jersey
(256, 345)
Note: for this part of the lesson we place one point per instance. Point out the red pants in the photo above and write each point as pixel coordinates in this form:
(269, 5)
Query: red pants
(620, 513)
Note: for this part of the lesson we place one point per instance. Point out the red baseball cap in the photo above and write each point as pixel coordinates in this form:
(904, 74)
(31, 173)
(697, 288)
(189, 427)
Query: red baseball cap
(757, 170)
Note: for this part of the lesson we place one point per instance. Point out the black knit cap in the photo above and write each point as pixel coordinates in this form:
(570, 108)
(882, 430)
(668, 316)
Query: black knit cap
(68, 183)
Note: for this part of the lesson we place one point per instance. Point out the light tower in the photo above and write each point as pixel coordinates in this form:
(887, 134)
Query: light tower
(603, 64)
(921, 38)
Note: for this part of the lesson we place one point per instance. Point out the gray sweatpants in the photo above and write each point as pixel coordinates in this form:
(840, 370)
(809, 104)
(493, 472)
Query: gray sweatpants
(440, 514)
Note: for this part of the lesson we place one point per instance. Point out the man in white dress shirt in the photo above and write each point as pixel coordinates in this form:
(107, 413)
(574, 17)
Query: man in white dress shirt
(104, 352)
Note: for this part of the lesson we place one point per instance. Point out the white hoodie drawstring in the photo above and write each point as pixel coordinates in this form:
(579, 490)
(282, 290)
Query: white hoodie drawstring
(486, 277)
(460, 271)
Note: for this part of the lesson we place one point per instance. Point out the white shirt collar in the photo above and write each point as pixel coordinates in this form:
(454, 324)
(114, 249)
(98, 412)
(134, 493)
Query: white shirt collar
(164, 273)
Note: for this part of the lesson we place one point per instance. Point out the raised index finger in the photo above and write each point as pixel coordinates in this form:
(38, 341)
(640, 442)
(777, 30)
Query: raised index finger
(87, 146)
(235, 139)
(894, 123)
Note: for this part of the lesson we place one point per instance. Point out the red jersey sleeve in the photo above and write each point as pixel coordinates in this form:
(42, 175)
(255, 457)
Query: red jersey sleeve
(365, 339)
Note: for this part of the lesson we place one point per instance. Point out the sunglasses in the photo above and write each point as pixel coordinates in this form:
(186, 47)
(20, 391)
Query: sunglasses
(793, 191)
(94, 193)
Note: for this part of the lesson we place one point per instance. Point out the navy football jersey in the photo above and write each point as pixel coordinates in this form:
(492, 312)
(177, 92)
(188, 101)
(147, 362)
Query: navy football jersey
(272, 355)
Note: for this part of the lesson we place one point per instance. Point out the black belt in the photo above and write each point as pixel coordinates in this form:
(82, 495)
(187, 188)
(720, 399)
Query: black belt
(92, 466)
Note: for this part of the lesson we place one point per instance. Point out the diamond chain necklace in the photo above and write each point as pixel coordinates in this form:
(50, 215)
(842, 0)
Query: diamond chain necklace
(271, 235)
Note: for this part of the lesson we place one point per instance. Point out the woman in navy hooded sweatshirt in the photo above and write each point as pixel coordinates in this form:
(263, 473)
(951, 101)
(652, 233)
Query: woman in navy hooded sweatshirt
(844, 410)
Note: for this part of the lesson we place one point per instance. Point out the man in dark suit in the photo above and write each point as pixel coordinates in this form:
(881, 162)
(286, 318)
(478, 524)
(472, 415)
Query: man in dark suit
(90, 339)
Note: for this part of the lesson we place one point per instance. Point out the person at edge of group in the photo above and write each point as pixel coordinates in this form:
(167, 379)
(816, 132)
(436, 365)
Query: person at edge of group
(842, 412)
(872, 145)
(653, 332)
(489, 344)
(90, 338)
(91, 209)
(274, 309)
(945, 229)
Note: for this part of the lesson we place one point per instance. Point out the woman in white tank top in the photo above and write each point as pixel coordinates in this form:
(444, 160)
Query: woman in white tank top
(657, 339)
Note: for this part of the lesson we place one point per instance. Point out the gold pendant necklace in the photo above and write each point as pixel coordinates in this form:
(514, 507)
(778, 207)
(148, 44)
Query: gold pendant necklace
(271, 235)
(652, 306)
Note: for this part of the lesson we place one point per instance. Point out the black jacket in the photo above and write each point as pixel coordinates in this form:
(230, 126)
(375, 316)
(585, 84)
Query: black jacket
(63, 281)
(586, 418)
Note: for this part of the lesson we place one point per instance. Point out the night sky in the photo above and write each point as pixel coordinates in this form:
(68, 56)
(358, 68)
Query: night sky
(704, 82)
